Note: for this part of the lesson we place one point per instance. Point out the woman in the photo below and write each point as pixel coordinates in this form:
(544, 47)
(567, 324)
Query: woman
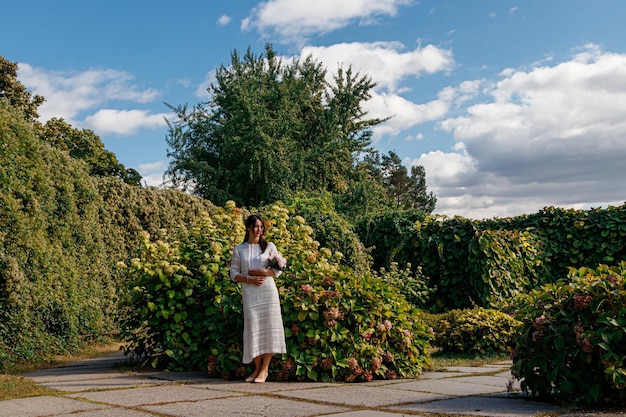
(263, 333)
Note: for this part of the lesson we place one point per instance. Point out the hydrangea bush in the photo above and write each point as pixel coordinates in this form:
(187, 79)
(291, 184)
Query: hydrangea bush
(572, 344)
(339, 325)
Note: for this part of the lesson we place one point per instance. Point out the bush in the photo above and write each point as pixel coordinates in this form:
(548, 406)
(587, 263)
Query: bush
(477, 330)
(572, 341)
(331, 229)
(413, 285)
(339, 325)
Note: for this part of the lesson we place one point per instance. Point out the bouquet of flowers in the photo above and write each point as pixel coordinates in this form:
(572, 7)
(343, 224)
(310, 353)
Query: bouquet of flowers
(277, 261)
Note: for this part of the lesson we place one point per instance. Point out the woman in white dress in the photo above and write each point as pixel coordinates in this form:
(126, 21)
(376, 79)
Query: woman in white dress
(263, 332)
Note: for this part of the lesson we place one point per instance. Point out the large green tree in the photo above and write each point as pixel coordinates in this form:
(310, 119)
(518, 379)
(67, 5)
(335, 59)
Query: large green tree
(271, 129)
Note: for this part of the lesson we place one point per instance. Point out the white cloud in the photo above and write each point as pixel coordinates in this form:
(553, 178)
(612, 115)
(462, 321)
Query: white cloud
(153, 180)
(152, 173)
(151, 167)
(72, 95)
(124, 122)
(405, 114)
(389, 65)
(202, 90)
(294, 20)
(224, 20)
(385, 62)
(550, 136)
(69, 94)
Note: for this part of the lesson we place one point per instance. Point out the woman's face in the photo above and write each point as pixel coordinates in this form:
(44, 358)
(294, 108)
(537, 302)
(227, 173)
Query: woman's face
(257, 229)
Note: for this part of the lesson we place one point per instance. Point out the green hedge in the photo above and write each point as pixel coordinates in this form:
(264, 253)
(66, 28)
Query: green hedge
(54, 268)
(484, 263)
(61, 234)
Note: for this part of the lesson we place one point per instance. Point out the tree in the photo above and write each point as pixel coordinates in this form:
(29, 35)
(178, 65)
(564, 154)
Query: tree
(417, 195)
(15, 92)
(272, 129)
(86, 145)
(409, 192)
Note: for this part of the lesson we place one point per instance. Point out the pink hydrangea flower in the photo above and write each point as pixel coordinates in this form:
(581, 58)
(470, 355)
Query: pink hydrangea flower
(277, 261)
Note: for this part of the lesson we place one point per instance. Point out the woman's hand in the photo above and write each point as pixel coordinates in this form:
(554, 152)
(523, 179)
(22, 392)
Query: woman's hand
(257, 280)
(262, 272)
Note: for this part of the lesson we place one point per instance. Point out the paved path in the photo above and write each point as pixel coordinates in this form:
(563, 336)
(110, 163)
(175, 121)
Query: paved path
(92, 388)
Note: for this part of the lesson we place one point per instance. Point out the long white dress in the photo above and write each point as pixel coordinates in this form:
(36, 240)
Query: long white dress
(263, 330)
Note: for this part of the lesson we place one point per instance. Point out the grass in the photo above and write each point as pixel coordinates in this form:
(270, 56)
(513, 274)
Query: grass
(440, 361)
(13, 385)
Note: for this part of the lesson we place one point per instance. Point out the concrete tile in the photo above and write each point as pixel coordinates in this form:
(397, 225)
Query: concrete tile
(48, 406)
(109, 412)
(365, 413)
(249, 405)
(449, 386)
(483, 406)
(267, 387)
(472, 369)
(360, 395)
(440, 375)
(494, 381)
(133, 397)
(112, 382)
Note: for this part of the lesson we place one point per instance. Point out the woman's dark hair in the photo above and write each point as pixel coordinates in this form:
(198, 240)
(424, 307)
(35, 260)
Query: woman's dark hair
(250, 222)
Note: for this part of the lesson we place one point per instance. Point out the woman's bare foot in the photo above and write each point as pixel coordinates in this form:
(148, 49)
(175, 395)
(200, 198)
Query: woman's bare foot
(261, 378)
(252, 377)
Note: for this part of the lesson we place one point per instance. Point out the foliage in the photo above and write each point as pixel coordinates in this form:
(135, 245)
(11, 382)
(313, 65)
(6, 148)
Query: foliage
(475, 331)
(571, 343)
(331, 229)
(61, 234)
(54, 280)
(575, 238)
(80, 144)
(270, 129)
(389, 236)
(86, 145)
(413, 285)
(339, 325)
(15, 93)
(442, 250)
(508, 262)
(484, 263)
(408, 192)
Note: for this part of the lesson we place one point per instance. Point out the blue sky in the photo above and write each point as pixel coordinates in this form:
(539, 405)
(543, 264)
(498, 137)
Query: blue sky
(510, 106)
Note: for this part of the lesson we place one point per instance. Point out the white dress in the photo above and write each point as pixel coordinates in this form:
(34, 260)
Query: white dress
(263, 330)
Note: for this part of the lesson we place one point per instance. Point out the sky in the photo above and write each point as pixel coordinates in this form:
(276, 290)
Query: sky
(510, 106)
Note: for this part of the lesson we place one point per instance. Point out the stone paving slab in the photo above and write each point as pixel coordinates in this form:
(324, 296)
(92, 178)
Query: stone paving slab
(483, 406)
(109, 412)
(450, 387)
(475, 369)
(361, 395)
(111, 382)
(495, 381)
(365, 413)
(249, 405)
(38, 406)
(134, 397)
(94, 388)
(267, 387)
